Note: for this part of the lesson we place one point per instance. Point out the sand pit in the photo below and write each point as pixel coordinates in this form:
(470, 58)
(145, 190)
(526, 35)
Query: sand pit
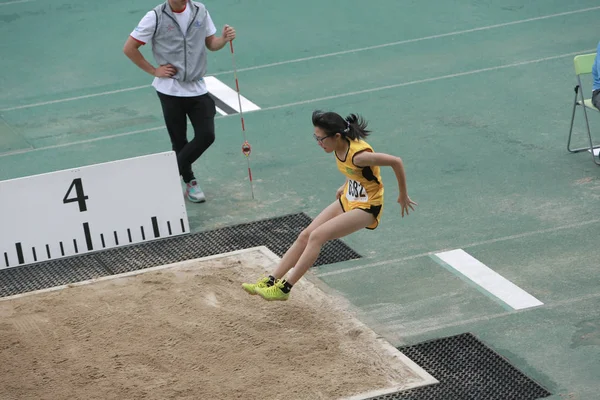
(188, 331)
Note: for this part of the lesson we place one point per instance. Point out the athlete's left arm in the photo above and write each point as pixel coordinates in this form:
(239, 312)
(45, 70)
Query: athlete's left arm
(367, 159)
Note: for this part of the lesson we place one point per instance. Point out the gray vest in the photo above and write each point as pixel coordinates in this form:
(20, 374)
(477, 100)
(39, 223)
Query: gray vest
(169, 46)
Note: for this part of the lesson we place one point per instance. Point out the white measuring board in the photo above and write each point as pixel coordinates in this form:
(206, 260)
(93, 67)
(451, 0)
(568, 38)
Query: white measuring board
(64, 213)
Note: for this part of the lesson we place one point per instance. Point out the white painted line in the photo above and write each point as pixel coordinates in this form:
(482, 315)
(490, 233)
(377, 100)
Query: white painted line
(437, 78)
(87, 96)
(488, 279)
(228, 96)
(15, 2)
(389, 329)
(351, 51)
(429, 253)
(400, 42)
(58, 146)
(427, 80)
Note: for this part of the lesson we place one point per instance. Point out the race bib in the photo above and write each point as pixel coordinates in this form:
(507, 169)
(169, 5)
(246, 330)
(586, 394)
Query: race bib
(356, 192)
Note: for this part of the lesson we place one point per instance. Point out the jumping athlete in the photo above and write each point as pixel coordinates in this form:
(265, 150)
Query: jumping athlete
(359, 201)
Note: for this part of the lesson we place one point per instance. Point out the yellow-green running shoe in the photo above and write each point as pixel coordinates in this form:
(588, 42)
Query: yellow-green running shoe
(274, 292)
(262, 283)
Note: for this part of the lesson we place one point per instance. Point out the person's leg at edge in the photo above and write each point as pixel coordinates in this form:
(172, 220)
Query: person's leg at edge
(337, 227)
(201, 110)
(292, 255)
(176, 123)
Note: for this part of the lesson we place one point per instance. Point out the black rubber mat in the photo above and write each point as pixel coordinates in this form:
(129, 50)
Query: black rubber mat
(277, 234)
(50, 274)
(467, 370)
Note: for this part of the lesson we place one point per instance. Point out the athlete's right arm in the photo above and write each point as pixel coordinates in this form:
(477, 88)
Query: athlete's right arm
(340, 191)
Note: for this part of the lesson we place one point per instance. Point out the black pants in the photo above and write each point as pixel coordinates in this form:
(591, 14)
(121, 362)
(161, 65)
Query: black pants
(596, 98)
(201, 111)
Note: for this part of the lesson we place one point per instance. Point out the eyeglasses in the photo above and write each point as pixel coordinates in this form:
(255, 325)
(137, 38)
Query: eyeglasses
(320, 139)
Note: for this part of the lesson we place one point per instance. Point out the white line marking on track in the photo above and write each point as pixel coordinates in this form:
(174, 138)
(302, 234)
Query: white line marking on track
(14, 2)
(338, 53)
(377, 89)
(437, 78)
(228, 95)
(400, 42)
(483, 242)
(87, 96)
(488, 280)
(547, 306)
(57, 146)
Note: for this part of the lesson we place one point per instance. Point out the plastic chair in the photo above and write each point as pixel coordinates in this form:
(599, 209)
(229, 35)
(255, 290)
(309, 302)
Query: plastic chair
(583, 66)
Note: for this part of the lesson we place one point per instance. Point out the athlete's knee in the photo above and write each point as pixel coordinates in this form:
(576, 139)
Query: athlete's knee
(318, 237)
(304, 236)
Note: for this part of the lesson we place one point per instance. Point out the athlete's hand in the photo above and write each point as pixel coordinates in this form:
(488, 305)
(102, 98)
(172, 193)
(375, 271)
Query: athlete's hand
(405, 203)
(165, 71)
(339, 192)
(228, 33)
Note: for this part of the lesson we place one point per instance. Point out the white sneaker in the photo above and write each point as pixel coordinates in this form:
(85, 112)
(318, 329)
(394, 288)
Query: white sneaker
(194, 193)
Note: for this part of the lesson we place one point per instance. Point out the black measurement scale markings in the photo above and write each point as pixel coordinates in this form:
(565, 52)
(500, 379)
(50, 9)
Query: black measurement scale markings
(155, 227)
(89, 243)
(81, 198)
(19, 253)
(88, 236)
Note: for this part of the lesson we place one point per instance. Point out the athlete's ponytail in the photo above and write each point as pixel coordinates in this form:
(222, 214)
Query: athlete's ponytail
(356, 127)
(353, 126)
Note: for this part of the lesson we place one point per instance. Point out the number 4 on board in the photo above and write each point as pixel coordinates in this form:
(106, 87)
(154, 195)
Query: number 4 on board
(80, 196)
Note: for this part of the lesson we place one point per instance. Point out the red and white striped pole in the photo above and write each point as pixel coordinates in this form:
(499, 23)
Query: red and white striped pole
(246, 148)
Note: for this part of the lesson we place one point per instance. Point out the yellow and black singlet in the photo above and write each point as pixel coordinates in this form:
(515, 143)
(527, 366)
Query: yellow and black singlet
(364, 188)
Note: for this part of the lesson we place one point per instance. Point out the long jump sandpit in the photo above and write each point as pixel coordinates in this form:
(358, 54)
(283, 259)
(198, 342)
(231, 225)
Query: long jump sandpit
(189, 331)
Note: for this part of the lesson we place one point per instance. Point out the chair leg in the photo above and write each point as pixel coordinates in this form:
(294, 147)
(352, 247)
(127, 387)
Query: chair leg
(587, 124)
(572, 120)
(591, 145)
